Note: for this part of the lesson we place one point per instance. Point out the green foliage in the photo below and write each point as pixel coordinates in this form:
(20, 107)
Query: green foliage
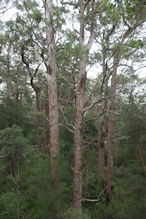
(8, 205)
(37, 15)
(19, 159)
(129, 198)
(12, 113)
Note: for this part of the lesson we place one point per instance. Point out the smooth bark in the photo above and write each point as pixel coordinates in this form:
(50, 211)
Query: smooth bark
(79, 105)
(102, 129)
(52, 87)
(111, 125)
(53, 108)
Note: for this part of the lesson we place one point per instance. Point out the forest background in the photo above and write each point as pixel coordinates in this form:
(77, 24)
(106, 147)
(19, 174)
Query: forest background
(72, 145)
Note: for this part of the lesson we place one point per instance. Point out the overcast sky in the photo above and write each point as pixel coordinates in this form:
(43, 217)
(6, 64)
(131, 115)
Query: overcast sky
(94, 71)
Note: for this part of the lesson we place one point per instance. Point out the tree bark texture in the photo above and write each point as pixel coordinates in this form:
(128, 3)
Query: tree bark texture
(102, 134)
(46, 126)
(52, 87)
(8, 80)
(53, 108)
(78, 137)
(111, 123)
(39, 121)
(102, 129)
(37, 89)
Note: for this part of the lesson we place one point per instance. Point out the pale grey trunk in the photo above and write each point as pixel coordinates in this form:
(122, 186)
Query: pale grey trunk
(52, 87)
(8, 79)
(111, 123)
(16, 88)
(53, 108)
(46, 108)
(78, 137)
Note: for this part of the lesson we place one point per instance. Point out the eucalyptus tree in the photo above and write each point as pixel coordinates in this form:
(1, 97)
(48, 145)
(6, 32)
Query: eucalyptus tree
(13, 146)
(13, 77)
(85, 9)
(119, 25)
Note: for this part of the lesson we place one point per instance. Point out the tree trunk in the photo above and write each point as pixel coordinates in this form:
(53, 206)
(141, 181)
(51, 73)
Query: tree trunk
(8, 79)
(78, 138)
(111, 123)
(39, 121)
(102, 130)
(46, 127)
(16, 88)
(53, 108)
(52, 87)
(102, 134)
(17, 189)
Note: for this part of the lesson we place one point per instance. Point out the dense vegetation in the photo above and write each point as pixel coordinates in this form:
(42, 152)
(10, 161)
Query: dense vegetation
(99, 154)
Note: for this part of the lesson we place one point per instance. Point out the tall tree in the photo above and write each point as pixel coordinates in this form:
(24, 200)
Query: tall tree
(52, 87)
(79, 104)
(131, 21)
(53, 102)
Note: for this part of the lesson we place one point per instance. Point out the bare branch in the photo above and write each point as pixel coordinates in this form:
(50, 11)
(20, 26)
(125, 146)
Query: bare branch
(65, 120)
(31, 75)
(91, 119)
(91, 38)
(94, 200)
(93, 89)
(87, 2)
(92, 105)
(25, 61)
(4, 9)
(69, 3)
(39, 44)
(72, 131)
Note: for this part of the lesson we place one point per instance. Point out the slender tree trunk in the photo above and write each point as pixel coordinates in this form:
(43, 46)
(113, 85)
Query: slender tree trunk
(17, 189)
(39, 121)
(111, 123)
(37, 89)
(102, 134)
(16, 88)
(53, 108)
(52, 87)
(102, 130)
(46, 137)
(78, 137)
(8, 80)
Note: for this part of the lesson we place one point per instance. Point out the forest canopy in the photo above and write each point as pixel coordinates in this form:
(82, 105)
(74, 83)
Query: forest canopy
(72, 109)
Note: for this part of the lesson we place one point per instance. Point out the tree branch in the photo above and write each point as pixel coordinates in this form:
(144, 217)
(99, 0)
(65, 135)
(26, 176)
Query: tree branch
(92, 105)
(93, 89)
(94, 200)
(65, 120)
